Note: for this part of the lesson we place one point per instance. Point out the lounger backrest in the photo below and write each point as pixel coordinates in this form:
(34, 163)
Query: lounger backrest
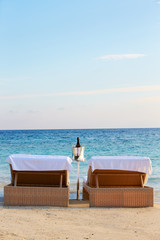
(102, 178)
(40, 178)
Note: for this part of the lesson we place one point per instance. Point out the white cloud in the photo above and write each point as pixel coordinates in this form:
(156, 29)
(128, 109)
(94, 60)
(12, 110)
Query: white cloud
(60, 109)
(121, 56)
(94, 92)
(153, 99)
(158, 2)
(13, 112)
(32, 112)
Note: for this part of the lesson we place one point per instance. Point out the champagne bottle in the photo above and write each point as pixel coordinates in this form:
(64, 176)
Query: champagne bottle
(78, 144)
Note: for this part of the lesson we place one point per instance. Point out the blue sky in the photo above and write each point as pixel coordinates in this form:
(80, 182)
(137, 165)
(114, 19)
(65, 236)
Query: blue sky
(79, 64)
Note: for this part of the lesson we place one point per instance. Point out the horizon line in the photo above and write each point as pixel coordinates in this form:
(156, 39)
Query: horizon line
(28, 129)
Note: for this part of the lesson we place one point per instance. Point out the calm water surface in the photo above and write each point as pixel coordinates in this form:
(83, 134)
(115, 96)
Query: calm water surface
(110, 142)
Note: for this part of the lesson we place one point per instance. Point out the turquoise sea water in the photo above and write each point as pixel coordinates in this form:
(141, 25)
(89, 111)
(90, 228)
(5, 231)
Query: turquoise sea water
(110, 142)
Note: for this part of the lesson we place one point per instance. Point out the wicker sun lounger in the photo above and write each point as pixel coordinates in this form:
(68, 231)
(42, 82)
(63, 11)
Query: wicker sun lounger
(37, 188)
(117, 188)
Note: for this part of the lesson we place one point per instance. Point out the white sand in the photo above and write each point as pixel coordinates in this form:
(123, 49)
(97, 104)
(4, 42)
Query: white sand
(77, 223)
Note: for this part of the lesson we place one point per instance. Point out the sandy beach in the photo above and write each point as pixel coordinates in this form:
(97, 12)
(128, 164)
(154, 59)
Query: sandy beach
(79, 222)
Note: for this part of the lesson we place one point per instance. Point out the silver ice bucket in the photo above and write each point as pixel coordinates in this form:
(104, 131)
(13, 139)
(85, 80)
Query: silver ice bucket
(78, 153)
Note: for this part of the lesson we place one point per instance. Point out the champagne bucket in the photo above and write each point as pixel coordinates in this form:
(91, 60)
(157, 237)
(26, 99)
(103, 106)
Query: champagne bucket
(78, 153)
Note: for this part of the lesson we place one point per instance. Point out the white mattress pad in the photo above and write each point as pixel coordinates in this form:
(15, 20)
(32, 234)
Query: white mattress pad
(23, 162)
(128, 163)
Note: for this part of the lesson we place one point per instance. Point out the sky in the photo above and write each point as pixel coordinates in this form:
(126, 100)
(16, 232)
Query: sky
(79, 64)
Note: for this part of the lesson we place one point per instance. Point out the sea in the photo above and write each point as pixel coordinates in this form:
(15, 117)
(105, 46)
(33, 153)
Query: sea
(97, 142)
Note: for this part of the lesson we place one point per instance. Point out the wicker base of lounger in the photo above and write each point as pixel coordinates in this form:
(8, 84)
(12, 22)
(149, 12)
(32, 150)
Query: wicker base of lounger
(36, 196)
(119, 196)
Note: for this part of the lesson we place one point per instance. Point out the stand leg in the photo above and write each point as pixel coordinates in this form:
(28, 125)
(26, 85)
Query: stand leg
(77, 180)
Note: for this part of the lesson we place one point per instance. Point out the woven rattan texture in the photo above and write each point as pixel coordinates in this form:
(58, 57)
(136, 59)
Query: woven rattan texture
(36, 196)
(120, 197)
